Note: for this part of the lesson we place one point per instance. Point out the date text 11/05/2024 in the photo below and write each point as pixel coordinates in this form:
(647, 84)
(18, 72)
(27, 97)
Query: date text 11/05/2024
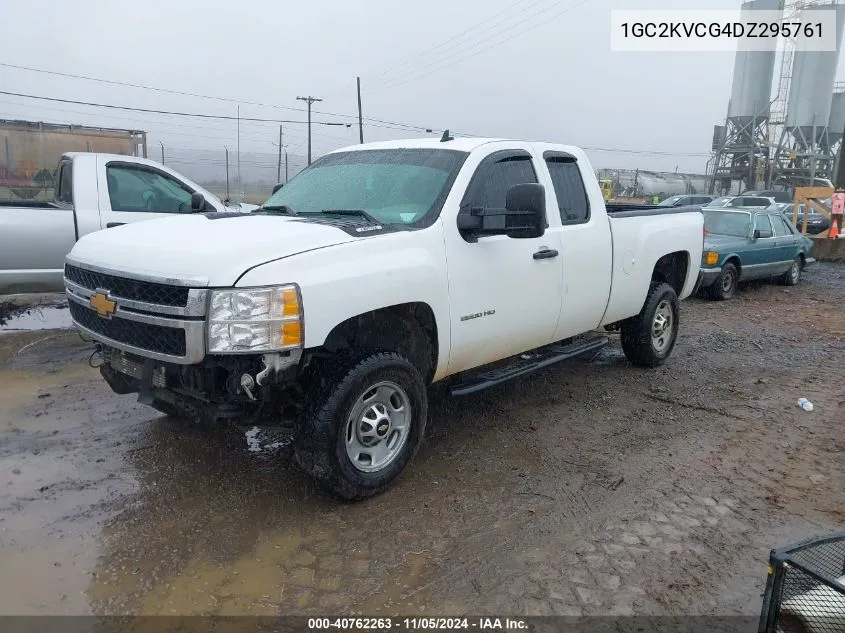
(413, 624)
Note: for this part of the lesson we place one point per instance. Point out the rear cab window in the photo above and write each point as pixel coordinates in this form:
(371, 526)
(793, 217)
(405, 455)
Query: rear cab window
(64, 182)
(572, 201)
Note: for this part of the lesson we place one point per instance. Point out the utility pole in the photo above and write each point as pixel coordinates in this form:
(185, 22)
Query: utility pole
(239, 155)
(227, 172)
(279, 164)
(162, 152)
(309, 100)
(839, 176)
(360, 120)
(286, 167)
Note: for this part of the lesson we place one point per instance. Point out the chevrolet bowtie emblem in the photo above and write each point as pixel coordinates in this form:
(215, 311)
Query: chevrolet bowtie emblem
(104, 306)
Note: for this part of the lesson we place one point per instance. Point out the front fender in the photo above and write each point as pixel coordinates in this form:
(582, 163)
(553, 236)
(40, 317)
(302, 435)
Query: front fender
(343, 281)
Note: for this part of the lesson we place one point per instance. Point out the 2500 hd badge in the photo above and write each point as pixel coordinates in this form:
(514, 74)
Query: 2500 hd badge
(477, 315)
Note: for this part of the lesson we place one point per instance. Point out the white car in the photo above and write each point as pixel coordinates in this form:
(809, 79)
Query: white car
(94, 191)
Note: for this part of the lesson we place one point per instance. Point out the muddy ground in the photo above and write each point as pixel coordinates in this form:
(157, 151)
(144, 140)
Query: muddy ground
(590, 488)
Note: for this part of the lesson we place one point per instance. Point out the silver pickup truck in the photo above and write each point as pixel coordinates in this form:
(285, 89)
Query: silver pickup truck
(93, 192)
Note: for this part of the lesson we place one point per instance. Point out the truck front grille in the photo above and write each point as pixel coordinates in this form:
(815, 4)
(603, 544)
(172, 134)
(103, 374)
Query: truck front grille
(145, 291)
(141, 336)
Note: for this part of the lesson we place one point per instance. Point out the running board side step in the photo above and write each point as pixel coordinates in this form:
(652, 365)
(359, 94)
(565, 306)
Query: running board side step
(522, 366)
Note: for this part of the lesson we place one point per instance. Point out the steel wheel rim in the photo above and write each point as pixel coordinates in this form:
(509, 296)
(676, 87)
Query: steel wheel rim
(662, 326)
(727, 281)
(795, 271)
(378, 426)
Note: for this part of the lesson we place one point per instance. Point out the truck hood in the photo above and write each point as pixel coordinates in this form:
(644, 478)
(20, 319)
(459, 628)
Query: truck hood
(205, 251)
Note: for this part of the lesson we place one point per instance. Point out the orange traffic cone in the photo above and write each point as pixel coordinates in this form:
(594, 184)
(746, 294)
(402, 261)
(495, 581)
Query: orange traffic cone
(833, 232)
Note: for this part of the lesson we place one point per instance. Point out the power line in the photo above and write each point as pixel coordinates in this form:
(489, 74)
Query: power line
(446, 43)
(416, 75)
(384, 122)
(169, 112)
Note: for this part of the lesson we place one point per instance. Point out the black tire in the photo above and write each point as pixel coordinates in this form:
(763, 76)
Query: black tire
(637, 341)
(320, 443)
(726, 283)
(792, 276)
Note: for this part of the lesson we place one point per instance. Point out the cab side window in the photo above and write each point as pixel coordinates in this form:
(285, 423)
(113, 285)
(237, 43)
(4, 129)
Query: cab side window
(779, 226)
(145, 191)
(572, 201)
(493, 178)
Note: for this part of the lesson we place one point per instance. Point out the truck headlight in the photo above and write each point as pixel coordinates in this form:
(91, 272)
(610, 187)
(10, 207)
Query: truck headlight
(255, 320)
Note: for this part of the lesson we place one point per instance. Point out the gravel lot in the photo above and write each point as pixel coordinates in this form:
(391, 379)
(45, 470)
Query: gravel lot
(590, 488)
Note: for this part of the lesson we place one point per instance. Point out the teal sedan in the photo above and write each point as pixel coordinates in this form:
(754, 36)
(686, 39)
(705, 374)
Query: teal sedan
(745, 244)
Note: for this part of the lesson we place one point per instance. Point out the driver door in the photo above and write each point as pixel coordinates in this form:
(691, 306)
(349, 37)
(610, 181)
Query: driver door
(136, 192)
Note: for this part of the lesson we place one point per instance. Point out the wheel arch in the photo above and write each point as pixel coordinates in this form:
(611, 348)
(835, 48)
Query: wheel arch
(673, 269)
(409, 329)
(735, 260)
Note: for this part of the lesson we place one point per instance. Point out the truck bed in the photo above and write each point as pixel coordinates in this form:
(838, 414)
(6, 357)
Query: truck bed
(28, 204)
(634, 210)
(637, 232)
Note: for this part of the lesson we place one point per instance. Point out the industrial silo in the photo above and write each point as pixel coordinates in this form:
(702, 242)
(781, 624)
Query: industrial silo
(742, 146)
(753, 70)
(811, 86)
(836, 122)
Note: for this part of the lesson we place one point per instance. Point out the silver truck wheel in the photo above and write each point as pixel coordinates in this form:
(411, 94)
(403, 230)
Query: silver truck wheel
(378, 427)
(363, 421)
(662, 330)
(649, 337)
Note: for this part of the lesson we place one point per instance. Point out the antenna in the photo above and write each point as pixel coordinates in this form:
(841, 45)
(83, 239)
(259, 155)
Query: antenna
(446, 137)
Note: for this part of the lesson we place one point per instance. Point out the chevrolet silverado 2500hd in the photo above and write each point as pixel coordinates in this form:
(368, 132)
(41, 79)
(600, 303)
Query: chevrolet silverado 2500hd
(379, 270)
(93, 192)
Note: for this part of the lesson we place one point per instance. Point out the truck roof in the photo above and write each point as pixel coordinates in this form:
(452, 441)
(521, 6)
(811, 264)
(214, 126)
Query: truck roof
(464, 144)
(139, 159)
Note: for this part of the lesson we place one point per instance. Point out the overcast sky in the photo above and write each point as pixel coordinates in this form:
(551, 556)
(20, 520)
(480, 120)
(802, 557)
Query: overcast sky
(541, 69)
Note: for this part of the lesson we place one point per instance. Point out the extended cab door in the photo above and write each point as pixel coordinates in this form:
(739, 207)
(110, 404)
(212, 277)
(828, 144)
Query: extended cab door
(130, 192)
(504, 292)
(586, 245)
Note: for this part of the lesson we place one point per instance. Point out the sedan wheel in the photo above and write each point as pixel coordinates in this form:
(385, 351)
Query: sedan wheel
(792, 276)
(725, 285)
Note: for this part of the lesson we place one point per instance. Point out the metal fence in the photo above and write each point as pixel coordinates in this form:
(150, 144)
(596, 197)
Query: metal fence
(805, 589)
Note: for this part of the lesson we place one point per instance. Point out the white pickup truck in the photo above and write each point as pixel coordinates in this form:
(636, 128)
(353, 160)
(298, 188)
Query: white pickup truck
(93, 192)
(379, 270)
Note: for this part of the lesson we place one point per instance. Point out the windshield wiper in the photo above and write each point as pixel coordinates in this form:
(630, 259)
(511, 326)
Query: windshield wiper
(357, 212)
(282, 208)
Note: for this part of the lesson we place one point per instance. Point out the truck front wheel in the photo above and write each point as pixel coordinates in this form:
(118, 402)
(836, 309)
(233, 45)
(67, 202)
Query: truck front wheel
(648, 338)
(362, 424)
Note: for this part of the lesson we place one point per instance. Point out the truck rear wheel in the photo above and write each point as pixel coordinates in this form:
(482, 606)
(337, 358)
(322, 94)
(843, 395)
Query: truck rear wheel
(649, 337)
(362, 424)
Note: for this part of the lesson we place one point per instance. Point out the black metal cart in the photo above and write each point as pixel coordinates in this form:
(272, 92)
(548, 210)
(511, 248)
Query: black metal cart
(805, 589)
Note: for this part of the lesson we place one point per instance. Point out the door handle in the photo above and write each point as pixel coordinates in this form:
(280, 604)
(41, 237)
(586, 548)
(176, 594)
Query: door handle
(111, 225)
(546, 253)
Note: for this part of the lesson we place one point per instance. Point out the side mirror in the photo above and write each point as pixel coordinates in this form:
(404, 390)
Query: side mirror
(524, 215)
(525, 205)
(277, 187)
(758, 234)
(198, 202)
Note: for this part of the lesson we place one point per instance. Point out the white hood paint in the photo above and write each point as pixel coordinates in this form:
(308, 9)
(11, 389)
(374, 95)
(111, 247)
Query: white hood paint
(200, 250)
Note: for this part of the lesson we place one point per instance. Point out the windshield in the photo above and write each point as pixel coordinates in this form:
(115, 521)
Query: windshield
(394, 186)
(719, 202)
(668, 202)
(727, 223)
